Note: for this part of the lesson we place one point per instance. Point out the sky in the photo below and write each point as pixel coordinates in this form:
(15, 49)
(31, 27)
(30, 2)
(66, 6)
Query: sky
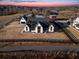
(40, 2)
(43, 1)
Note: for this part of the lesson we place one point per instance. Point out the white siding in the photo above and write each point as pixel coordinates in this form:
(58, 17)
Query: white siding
(33, 31)
(76, 21)
(22, 20)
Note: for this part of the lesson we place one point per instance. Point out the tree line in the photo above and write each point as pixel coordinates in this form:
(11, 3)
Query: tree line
(12, 9)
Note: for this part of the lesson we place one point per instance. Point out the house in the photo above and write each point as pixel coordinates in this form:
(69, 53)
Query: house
(76, 23)
(53, 15)
(39, 25)
(23, 19)
(39, 16)
(29, 15)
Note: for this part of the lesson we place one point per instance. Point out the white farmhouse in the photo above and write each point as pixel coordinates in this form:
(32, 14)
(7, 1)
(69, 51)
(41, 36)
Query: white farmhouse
(39, 25)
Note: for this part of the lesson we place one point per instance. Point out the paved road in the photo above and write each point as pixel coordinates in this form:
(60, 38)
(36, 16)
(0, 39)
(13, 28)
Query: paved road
(40, 48)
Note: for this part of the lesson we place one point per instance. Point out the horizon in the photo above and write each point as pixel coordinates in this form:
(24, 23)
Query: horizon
(48, 3)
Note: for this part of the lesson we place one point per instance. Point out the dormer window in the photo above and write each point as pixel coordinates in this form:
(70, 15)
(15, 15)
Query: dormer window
(51, 28)
(26, 29)
(39, 28)
(23, 20)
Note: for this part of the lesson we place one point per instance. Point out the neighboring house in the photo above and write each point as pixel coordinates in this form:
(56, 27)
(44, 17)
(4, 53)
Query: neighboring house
(23, 20)
(39, 16)
(53, 15)
(76, 23)
(29, 15)
(39, 25)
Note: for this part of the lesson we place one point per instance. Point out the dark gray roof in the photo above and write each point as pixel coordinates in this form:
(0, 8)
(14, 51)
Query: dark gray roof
(32, 24)
(38, 19)
(45, 23)
(25, 17)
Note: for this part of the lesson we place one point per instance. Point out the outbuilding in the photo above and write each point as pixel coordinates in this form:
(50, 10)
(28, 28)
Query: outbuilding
(76, 23)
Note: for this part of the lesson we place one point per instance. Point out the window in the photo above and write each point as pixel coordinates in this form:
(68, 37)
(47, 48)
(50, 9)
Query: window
(26, 28)
(22, 22)
(77, 25)
(51, 28)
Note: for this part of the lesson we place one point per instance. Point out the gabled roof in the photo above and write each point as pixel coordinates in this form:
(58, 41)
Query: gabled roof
(25, 17)
(44, 22)
(76, 20)
(32, 24)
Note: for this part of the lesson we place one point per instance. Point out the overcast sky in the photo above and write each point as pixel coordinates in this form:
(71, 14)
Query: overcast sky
(51, 1)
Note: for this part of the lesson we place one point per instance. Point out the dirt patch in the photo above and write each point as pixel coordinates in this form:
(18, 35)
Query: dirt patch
(13, 31)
